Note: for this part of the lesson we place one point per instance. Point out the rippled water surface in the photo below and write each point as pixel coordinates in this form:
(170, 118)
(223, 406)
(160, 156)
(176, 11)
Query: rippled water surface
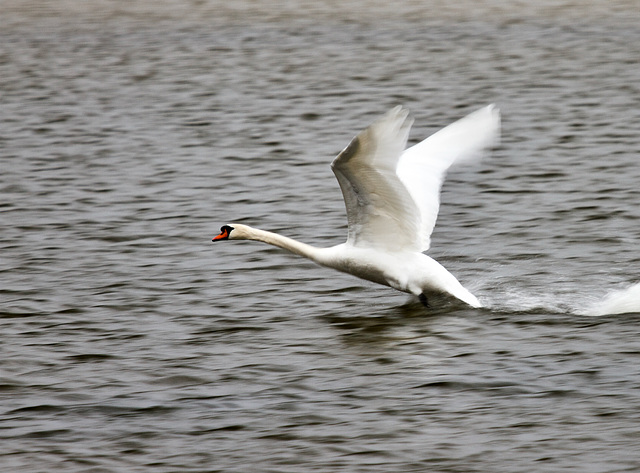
(129, 342)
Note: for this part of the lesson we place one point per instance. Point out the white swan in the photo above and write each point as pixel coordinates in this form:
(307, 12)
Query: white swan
(392, 199)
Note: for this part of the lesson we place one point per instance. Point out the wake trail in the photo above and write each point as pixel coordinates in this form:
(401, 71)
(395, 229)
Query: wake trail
(564, 300)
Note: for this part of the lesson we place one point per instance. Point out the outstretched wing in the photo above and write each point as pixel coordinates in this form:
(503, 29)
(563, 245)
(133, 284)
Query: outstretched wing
(380, 210)
(422, 167)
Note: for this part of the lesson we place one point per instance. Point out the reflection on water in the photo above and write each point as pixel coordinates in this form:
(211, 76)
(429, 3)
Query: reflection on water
(130, 342)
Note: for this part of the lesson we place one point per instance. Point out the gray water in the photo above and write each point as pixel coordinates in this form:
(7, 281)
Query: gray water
(130, 132)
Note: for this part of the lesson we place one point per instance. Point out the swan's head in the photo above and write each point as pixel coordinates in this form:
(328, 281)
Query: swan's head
(233, 231)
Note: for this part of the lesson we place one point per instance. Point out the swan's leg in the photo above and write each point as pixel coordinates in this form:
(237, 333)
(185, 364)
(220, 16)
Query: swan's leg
(424, 300)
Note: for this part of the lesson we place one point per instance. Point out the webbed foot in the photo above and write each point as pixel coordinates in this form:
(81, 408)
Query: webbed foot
(424, 300)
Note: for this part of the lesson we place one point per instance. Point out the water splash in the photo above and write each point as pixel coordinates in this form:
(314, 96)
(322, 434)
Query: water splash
(617, 302)
(566, 298)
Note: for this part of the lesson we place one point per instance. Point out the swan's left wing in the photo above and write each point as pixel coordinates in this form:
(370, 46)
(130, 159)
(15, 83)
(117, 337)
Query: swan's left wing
(380, 210)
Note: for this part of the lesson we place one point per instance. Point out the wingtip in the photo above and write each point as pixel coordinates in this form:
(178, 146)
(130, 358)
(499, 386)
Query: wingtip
(497, 123)
(491, 118)
(400, 114)
(495, 111)
(400, 109)
(491, 108)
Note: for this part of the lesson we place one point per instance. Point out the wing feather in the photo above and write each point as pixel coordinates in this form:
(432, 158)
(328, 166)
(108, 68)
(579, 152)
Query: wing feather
(422, 168)
(380, 210)
(392, 195)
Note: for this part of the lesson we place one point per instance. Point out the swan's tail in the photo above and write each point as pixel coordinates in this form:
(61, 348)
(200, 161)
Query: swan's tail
(461, 293)
(465, 296)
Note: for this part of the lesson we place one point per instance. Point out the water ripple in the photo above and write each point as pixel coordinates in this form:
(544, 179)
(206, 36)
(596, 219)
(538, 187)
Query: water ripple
(130, 343)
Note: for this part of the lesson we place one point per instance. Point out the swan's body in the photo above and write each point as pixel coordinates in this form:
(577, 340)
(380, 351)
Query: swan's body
(392, 200)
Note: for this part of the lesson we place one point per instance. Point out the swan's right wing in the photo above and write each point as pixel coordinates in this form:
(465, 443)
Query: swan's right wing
(380, 211)
(422, 167)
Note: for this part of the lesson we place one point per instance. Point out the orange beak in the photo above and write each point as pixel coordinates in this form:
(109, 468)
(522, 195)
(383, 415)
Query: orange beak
(223, 236)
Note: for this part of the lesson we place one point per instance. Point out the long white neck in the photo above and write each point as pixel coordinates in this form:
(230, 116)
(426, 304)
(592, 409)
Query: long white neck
(245, 232)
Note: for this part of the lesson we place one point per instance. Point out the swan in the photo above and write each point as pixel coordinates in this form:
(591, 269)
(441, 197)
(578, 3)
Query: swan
(392, 198)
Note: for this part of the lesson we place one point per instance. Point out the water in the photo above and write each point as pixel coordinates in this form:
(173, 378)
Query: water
(131, 343)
